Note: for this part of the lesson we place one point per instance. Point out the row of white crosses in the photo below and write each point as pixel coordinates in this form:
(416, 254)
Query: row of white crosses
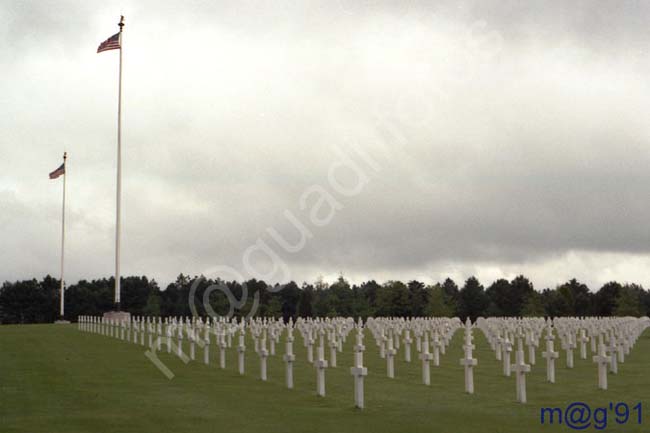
(197, 331)
(358, 371)
(389, 333)
(503, 335)
(324, 332)
(331, 333)
(611, 339)
(468, 361)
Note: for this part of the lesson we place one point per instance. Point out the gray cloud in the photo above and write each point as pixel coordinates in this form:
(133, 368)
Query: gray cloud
(511, 137)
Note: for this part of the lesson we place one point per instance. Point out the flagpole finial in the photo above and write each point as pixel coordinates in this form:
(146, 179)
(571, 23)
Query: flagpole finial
(121, 23)
(65, 155)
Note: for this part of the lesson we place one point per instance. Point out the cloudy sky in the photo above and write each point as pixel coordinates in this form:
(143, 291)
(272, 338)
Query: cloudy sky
(292, 140)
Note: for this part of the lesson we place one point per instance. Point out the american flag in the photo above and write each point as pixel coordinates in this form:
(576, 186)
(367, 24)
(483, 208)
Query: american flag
(58, 172)
(112, 43)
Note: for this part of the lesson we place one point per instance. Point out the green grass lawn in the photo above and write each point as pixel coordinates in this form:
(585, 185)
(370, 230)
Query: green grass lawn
(54, 378)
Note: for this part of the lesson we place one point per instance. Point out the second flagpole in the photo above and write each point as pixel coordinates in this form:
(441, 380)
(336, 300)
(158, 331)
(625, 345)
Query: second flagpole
(119, 176)
(65, 177)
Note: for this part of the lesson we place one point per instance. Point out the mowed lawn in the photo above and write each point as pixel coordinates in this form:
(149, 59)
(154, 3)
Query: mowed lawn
(54, 378)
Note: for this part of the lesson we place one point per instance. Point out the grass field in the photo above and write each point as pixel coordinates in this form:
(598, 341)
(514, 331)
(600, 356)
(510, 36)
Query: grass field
(54, 378)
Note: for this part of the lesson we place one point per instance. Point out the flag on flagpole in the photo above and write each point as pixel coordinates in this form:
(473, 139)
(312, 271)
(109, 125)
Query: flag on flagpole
(112, 43)
(58, 172)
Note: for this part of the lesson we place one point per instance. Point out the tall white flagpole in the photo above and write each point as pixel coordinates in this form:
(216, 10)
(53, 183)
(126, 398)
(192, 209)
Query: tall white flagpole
(119, 176)
(65, 177)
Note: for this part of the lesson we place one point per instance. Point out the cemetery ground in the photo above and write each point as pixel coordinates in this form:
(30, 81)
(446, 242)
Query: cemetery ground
(54, 378)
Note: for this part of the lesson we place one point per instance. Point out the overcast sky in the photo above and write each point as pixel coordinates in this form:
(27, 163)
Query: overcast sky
(292, 140)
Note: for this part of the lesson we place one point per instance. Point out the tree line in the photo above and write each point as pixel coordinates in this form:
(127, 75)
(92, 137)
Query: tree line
(34, 301)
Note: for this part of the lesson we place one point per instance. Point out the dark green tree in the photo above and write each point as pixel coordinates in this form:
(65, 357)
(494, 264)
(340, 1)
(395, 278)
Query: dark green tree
(452, 294)
(472, 300)
(555, 304)
(521, 289)
(533, 306)
(290, 298)
(418, 298)
(499, 293)
(369, 290)
(577, 296)
(605, 299)
(340, 294)
(628, 302)
(438, 304)
(152, 307)
(393, 300)
(305, 304)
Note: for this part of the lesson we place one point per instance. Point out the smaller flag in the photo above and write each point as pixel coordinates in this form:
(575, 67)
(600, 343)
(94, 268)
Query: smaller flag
(58, 172)
(112, 43)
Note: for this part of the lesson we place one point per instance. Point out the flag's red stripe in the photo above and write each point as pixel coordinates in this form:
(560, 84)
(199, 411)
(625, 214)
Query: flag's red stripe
(56, 174)
(112, 43)
(108, 47)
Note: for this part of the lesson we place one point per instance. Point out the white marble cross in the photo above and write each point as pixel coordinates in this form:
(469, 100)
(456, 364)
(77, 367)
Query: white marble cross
(206, 343)
(309, 342)
(521, 369)
(568, 345)
(289, 357)
(426, 357)
(583, 339)
(499, 348)
(241, 348)
(133, 330)
(150, 330)
(255, 333)
(382, 344)
(179, 350)
(550, 355)
(264, 354)
(221, 341)
(358, 371)
(468, 361)
(602, 359)
(334, 345)
(158, 332)
(321, 365)
(506, 347)
(169, 333)
(532, 343)
(191, 336)
(613, 353)
(390, 356)
(437, 344)
(407, 345)
(271, 341)
(622, 347)
(593, 333)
